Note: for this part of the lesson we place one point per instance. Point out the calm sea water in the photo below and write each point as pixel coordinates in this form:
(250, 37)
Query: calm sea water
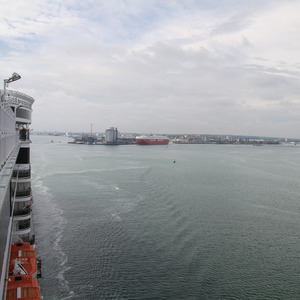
(166, 222)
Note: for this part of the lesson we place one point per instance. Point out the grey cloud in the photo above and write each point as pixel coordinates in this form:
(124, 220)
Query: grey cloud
(166, 75)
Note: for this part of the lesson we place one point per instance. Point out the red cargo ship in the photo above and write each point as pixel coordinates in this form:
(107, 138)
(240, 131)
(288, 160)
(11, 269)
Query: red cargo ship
(152, 140)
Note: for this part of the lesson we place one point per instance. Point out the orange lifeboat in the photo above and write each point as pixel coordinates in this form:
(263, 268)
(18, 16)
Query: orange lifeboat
(22, 250)
(23, 287)
(23, 260)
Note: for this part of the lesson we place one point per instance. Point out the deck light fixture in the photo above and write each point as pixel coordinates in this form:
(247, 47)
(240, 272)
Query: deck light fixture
(14, 77)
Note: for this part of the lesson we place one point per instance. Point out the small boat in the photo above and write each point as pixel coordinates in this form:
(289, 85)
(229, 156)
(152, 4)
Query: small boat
(23, 287)
(22, 250)
(23, 260)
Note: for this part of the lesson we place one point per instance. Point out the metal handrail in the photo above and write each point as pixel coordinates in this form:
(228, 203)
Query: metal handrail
(24, 226)
(17, 98)
(23, 212)
(22, 173)
(23, 193)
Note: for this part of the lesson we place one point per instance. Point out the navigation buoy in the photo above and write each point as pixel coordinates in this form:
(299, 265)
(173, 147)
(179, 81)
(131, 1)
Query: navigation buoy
(174, 161)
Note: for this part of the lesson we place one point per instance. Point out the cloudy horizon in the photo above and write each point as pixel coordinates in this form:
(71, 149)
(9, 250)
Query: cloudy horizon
(214, 67)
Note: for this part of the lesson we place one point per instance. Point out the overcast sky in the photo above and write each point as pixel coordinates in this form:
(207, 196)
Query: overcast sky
(181, 66)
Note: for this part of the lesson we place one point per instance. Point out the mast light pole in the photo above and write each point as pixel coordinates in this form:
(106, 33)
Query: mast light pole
(14, 77)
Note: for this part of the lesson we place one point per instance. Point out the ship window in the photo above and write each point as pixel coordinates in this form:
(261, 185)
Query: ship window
(18, 278)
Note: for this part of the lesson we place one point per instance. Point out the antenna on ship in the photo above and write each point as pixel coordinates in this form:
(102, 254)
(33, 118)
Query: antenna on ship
(91, 129)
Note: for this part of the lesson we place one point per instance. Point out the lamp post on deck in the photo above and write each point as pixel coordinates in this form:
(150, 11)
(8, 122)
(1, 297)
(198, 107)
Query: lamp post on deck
(14, 77)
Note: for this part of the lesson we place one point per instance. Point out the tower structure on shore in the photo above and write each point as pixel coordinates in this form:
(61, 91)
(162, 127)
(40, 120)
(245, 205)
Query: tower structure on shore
(111, 135)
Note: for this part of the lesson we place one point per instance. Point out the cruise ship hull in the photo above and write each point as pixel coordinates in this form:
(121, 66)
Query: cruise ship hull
(16, 202)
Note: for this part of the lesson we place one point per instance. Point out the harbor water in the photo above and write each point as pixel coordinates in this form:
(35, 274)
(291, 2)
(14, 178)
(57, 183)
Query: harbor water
(166, 222)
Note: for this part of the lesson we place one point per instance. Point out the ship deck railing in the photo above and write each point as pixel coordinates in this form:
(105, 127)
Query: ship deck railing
(24, 225)
(23, 212)
(17, 98)
(23, 193)
(22, 173)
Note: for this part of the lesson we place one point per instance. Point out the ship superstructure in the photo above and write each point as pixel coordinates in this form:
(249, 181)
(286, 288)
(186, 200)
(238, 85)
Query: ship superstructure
(16, 200)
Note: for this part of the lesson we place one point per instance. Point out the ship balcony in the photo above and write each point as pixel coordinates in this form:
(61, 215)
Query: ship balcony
(22, 214)
(24, 142)
(23, 115)
(22, 226)
(21, 104)
(22, 167)
(24, 235)
(23, 196)
(24, 135)
(22, 121)
(21, 176)
(21, 180)
(22, 173)
(23, 199)
(23, 230)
